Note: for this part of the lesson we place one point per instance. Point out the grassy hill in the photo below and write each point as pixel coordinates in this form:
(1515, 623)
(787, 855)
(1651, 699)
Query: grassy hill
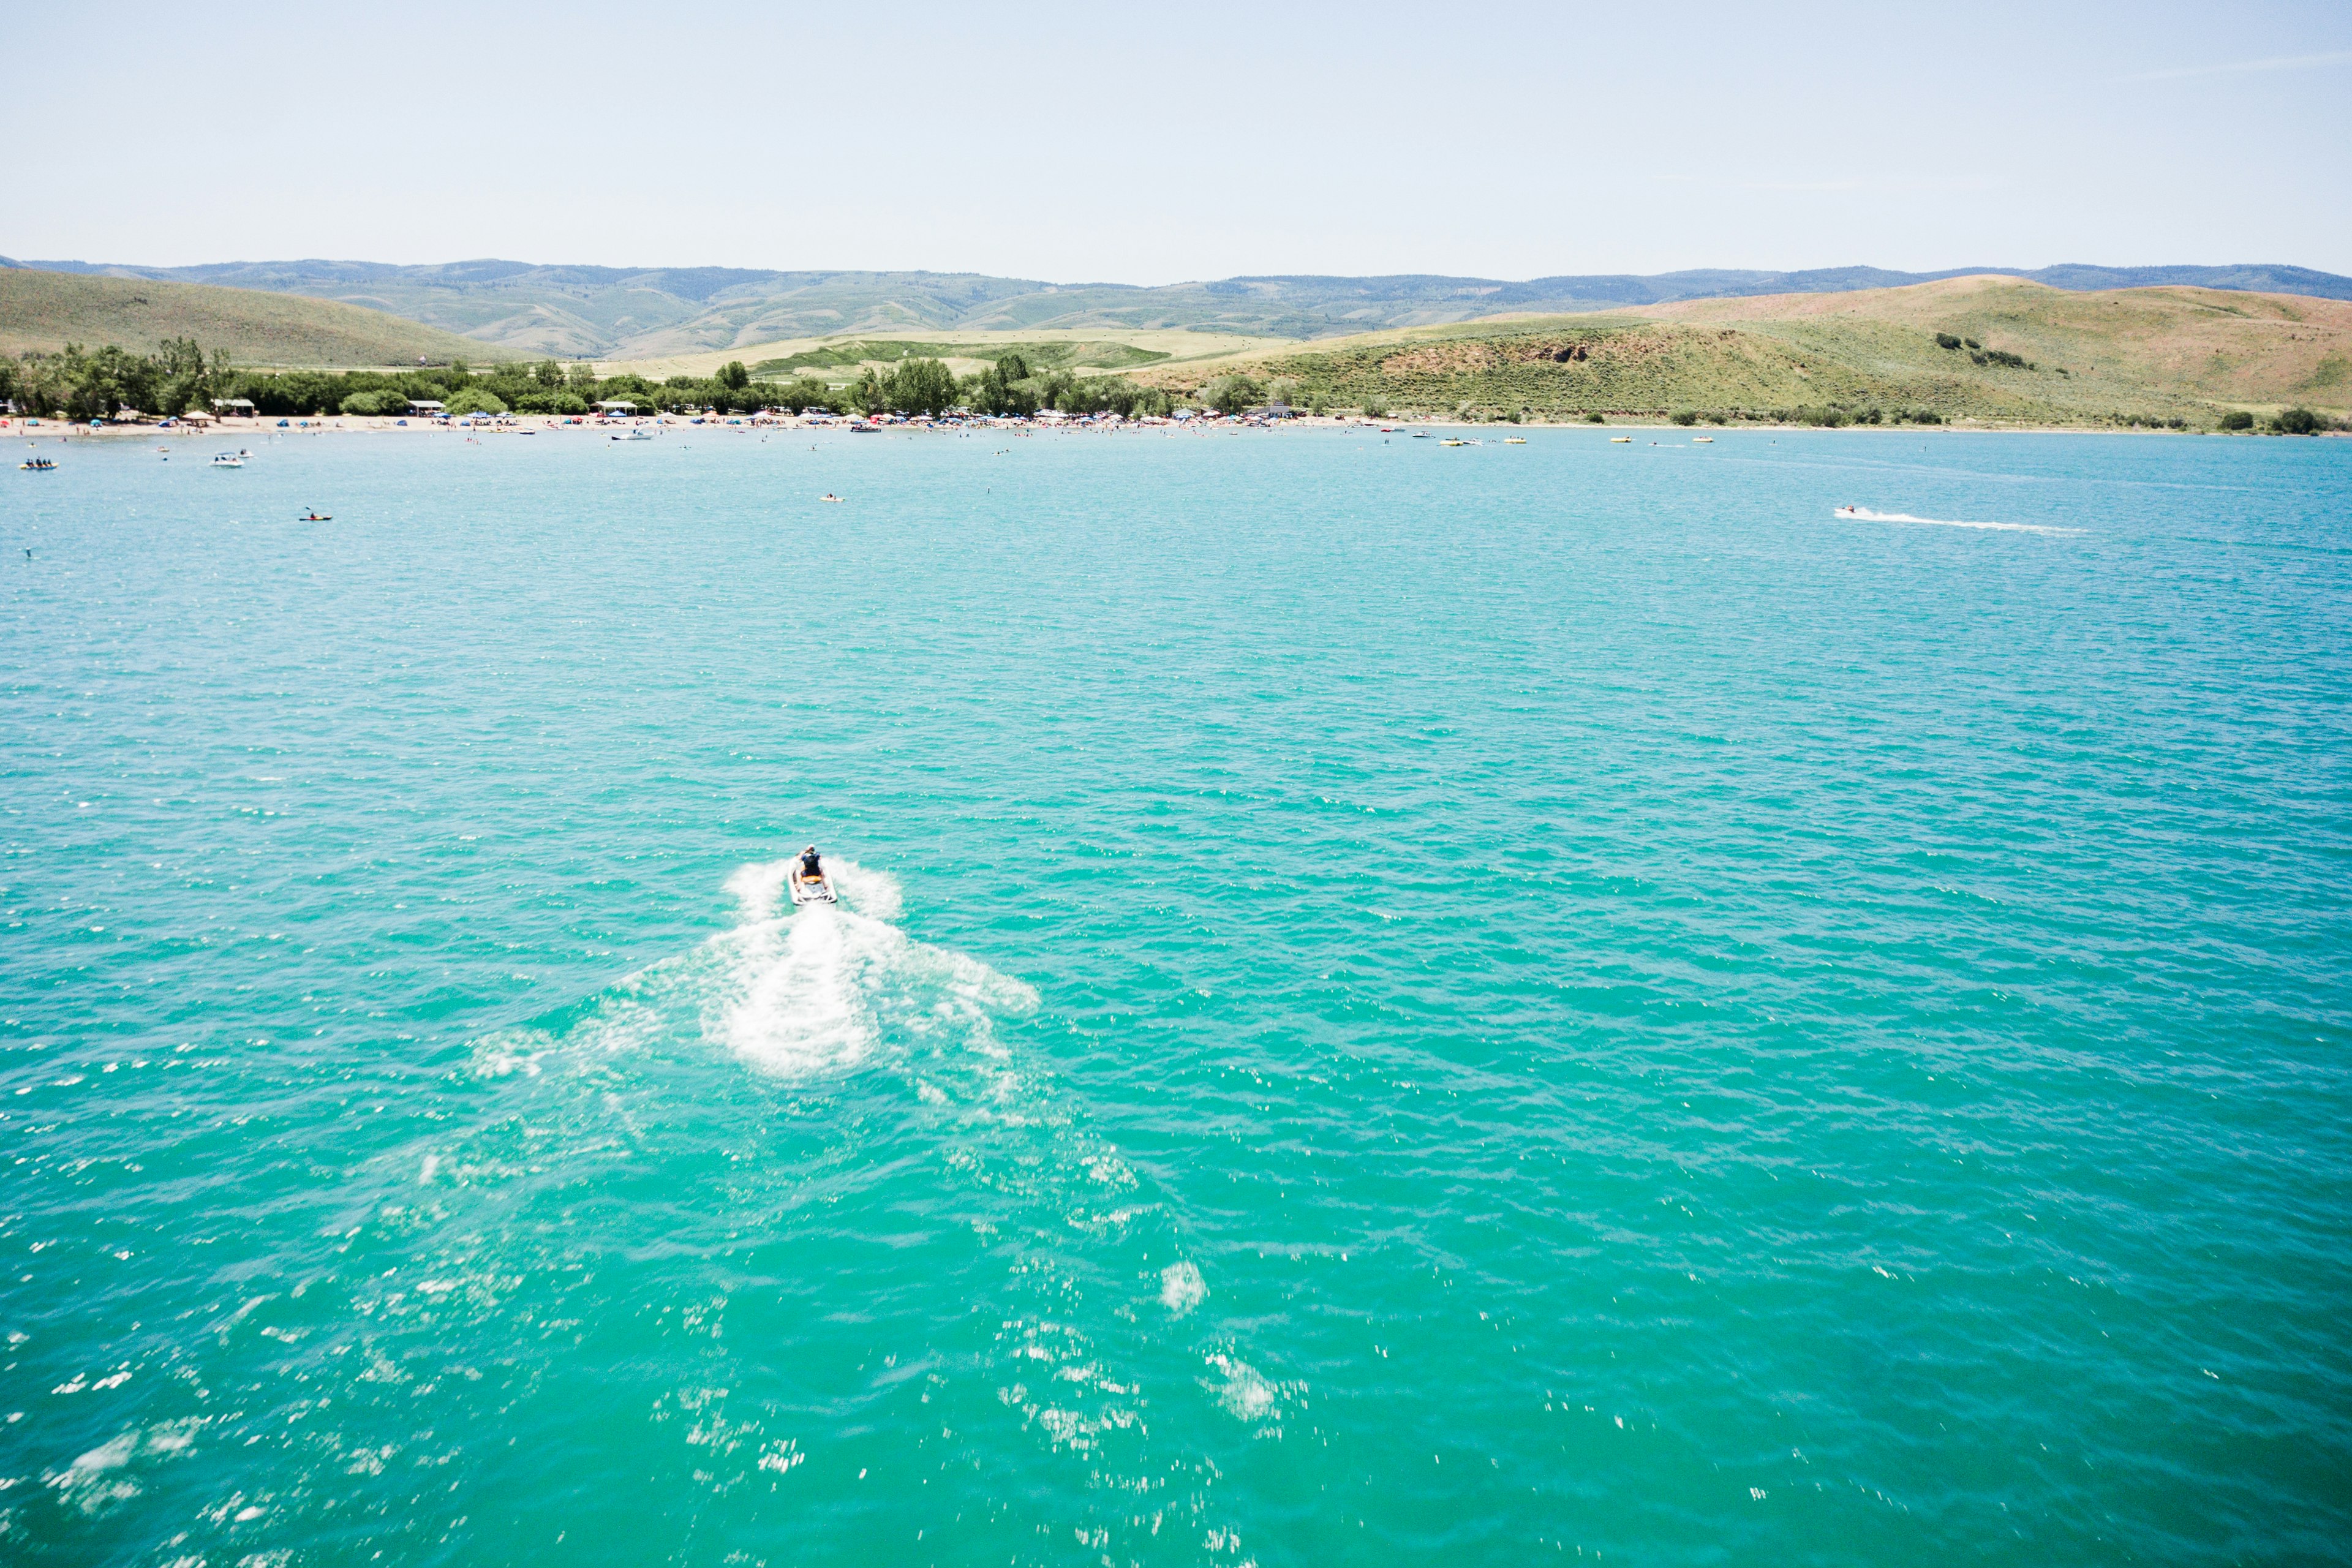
(839, 359)
(45, 311)
(636, 314)
(2025, 352)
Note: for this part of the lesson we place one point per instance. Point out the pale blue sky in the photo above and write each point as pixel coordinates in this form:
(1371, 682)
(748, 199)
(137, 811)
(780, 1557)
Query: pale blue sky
(1187, 141)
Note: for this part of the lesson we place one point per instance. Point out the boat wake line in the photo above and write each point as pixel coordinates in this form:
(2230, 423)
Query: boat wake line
(1864, 514)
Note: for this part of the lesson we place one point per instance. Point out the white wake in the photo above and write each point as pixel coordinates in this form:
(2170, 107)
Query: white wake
(1864, 514)
(795, 992)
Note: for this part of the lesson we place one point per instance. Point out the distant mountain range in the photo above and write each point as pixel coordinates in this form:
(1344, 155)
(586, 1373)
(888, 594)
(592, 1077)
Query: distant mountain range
(614, 312)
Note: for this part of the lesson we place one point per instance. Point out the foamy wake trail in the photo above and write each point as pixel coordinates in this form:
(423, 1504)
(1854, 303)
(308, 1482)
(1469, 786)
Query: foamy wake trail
(817, 988)
(1864, 514)
(794, 992)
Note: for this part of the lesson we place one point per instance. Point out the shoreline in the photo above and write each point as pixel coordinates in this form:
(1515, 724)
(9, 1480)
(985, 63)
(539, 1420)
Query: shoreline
(15, 427)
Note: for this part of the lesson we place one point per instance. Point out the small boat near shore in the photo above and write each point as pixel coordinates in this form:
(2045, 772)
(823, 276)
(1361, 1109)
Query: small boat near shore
(37, 465)
(634, 433)
(228, 459)
(1621, 440)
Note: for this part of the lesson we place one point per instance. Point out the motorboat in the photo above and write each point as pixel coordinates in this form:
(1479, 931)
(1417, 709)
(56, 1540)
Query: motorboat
(228, 459)
(816, 889)
(1621, 440)
(634, 433)
(1515, 440)
(1702, 440)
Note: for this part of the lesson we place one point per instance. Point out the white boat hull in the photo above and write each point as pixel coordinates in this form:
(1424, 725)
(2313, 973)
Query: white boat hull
(812, 890)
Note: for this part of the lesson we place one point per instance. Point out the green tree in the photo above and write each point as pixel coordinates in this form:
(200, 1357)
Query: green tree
(475, 400)
(2296, 422)
(866, 395)
(1233, 393)
(924, 387)
(2237, 419)
(733, 376)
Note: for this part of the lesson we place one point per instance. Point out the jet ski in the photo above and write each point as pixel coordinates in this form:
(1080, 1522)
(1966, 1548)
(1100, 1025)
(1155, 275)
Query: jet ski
(816, 889)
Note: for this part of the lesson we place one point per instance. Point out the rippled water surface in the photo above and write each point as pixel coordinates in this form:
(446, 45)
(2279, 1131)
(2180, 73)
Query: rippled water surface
(1392, 1004)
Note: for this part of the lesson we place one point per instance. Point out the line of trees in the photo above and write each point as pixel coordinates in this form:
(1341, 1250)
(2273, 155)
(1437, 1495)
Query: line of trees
(180, 377)
(175, 378)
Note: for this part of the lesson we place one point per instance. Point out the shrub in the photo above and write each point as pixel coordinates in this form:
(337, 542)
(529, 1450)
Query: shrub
(1685, 417)
(2296, 422)
(1595, 419)
(1946, 341)
(2237, 419)
(1972, 342)
(474, 400)
(1376, 408)
(373, 403)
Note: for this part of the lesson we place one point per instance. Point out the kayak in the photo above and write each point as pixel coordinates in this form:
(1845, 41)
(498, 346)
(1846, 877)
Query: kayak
(817, 889)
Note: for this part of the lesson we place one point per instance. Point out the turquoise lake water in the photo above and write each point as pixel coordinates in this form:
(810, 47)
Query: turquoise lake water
(1393, 1003)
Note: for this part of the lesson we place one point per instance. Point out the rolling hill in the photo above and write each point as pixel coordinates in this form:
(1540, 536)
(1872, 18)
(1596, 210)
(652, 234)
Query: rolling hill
(45, 311)
(662, 313)
(2023, 352)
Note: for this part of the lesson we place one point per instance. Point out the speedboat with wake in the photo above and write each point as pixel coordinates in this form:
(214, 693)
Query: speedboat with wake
(809, 882)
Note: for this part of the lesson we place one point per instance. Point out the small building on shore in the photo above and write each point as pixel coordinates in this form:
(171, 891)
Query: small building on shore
(614, 407)
(430, 407)
(232, 407)
(1274, 411)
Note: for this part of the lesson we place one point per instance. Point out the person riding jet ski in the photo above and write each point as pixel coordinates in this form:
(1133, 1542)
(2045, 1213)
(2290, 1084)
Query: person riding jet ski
(810, 884)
